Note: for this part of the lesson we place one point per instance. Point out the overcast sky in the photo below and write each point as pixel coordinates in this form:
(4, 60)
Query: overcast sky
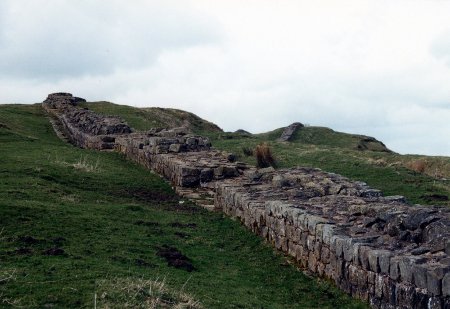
(378, 68)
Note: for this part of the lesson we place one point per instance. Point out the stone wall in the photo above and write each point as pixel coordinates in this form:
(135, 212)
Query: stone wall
(289, 131)
(375, 248)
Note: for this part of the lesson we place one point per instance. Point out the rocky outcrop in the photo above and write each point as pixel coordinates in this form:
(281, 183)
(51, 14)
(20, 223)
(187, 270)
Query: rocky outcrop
(376, 248)
(62, 100)
(289, 131)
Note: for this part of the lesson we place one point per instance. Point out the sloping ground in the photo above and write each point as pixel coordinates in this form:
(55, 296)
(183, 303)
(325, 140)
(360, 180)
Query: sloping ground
(143, 119)
(388, 172)
(422, 179)
(74, 223)
(322, 136)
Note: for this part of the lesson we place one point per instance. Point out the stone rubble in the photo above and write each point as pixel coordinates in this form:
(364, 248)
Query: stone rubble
(289, 131)
(376, 248)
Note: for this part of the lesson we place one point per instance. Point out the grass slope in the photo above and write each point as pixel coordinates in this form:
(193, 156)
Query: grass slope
(153, 117)
(336, 152)
(76, 223)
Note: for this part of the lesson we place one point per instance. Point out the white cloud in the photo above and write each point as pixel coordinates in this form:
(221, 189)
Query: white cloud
(50, 39)
(370, 67)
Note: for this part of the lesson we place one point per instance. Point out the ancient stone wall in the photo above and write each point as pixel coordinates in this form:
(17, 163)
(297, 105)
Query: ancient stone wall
(289, 131)
(376, 248)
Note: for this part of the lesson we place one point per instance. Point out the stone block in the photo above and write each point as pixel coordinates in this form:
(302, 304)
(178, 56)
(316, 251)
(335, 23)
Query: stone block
(206, 175)
(341, 242)
(312, 262)
(310, 242)
(394, 270)
(349, 248)
(379, 261)
(420, 275)
(353, 274)
(379, 282)
(176, 148)
(317, 249)
(292, 249)
(435, 276)
(313, 221)
(446, 285)
(321, 269)
(406, 266)
(435, 303)
(325, 255)
(327, 232)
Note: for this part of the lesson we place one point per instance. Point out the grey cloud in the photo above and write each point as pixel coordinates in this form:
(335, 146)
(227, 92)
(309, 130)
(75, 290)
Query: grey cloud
(70, 39)
(440, 47)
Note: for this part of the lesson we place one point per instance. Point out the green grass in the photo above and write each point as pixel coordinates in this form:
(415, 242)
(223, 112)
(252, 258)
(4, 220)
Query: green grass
(316, 147)
(73, 219)
(335, 152)
(143, 119)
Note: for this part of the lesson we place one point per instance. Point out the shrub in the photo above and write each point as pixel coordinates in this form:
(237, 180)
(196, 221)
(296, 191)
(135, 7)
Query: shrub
(247, 151)
(417, 166)
(264, 156)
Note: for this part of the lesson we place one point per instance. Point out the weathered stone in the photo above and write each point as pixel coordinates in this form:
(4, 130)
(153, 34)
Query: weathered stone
(206, 175)
(280, 181)
(175, 148)
(289, 131)
(394, 269)
(434, 278)
(446, 285)
(406, 266)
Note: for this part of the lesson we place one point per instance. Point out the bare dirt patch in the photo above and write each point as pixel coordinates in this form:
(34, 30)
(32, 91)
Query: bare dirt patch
(175, 258)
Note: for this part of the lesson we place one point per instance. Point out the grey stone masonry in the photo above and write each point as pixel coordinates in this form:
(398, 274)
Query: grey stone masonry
(378, 249)
(289, 131)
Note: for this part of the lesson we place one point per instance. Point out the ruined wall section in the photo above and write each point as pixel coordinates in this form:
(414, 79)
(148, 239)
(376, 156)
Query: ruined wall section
(83, 127)
(185, 159)
(376, 248)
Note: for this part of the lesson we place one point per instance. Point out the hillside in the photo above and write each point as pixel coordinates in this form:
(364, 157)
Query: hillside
(422, 179)
(75, 224)
(143, 119)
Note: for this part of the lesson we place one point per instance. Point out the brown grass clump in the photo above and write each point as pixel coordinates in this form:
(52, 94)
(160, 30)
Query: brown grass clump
(418, 166)
(141, 293)
(264, 156)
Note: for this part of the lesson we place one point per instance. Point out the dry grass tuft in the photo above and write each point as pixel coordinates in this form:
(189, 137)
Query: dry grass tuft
(418, 166)
(141, 293)
(83, 164)
(7, 275)
(264, 156)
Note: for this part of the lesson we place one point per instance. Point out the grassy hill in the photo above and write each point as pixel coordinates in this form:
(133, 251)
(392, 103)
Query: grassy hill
(143, 119)
(422, 179)
(78, 225)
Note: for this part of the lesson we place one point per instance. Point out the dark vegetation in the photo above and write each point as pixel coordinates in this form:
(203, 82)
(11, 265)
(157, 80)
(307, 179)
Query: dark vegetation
(264, 156)
(79, 225)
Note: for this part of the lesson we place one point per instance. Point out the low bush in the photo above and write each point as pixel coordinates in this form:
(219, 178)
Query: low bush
(264, 156)
(248, 152)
